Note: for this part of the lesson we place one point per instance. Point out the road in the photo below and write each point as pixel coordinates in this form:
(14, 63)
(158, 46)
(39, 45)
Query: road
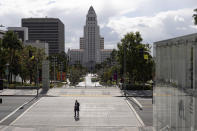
(11, 105)
(146, 113)
(15, 102)
(144, 99)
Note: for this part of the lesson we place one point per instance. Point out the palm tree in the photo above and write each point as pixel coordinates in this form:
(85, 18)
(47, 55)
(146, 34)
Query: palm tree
(11, 44)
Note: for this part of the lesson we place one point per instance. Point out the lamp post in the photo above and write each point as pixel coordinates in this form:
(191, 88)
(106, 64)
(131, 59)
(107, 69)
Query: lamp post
(37, 76)
(7, 74)
(33, 58)
(54, 64)
(124, 72)
(60, 69)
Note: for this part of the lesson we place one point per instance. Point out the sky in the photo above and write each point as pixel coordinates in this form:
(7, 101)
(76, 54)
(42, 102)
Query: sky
(155, 19)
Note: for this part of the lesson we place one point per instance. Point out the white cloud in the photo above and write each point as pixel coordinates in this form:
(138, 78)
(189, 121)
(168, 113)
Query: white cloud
(193, 27)
(116, 17)
(179, 19)
(160, 26)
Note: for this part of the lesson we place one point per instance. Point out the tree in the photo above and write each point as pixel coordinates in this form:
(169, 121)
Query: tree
(36, 62)
(76, 72)
(11, 45)
(28, 66)
(25, 64)
(60, 59)
(195, 17)
(3, 60)
(108, 68)
(137, 68)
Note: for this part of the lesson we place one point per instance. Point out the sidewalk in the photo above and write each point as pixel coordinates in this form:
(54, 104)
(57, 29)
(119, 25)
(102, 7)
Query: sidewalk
(139, 93)
(18, 92)
(96, 114)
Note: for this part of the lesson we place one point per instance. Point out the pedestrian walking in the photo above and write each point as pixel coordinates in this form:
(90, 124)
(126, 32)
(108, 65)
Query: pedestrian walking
(76, 108)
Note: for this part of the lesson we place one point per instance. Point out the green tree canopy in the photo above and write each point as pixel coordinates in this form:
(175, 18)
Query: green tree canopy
(3, 59)
(28, 66)
(137, 67)
(11, 44)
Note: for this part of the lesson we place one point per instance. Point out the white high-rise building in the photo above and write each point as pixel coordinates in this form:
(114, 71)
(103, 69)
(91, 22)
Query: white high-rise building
(91, 44)
(91, 40)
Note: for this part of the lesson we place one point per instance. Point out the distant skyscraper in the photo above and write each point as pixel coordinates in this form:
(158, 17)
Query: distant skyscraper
(50, 30)
(91, 44)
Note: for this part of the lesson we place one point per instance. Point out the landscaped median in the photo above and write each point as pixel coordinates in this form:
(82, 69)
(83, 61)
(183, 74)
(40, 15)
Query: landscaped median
(18, 85)
(135, 86)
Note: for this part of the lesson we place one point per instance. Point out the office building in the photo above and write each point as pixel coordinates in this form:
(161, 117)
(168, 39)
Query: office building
(49, 30)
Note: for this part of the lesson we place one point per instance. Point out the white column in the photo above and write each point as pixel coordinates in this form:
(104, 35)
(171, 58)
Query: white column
(184, 65)
(45, 75)
(157, 63)
(194, 67)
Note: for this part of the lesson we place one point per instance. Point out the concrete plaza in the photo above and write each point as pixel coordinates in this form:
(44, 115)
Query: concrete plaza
(100, 110)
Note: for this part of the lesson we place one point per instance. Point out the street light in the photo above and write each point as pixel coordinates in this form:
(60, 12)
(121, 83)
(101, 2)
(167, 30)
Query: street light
(124, 72)
(60, 69)
(32, 57)
(54, 64)
(7, 74)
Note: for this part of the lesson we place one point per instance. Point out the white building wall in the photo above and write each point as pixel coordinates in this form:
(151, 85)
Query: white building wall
(105, 54)
(173, 60)
(24, 29)
(76, 56)
(39, 44)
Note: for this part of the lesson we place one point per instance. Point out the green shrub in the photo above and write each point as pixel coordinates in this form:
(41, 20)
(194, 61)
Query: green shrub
(95, 79)
(137, 87)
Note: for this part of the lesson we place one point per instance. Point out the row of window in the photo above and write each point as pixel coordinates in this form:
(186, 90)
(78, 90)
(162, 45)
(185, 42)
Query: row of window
(91, 23)
(43, 31)
(39, 23)
(43, 28)
(91, 18)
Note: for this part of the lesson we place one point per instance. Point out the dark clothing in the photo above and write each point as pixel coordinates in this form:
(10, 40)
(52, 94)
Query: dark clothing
(76, 108)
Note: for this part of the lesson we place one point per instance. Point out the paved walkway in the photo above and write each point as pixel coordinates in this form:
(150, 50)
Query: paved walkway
(97, 113)
(84, 92)
(18, 92)
(140, 93)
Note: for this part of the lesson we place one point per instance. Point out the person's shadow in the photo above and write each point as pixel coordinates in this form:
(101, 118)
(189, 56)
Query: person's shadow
(77, 118)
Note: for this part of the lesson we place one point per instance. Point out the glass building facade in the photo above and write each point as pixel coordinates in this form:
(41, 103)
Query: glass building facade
(175, 91)
(175, 109)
